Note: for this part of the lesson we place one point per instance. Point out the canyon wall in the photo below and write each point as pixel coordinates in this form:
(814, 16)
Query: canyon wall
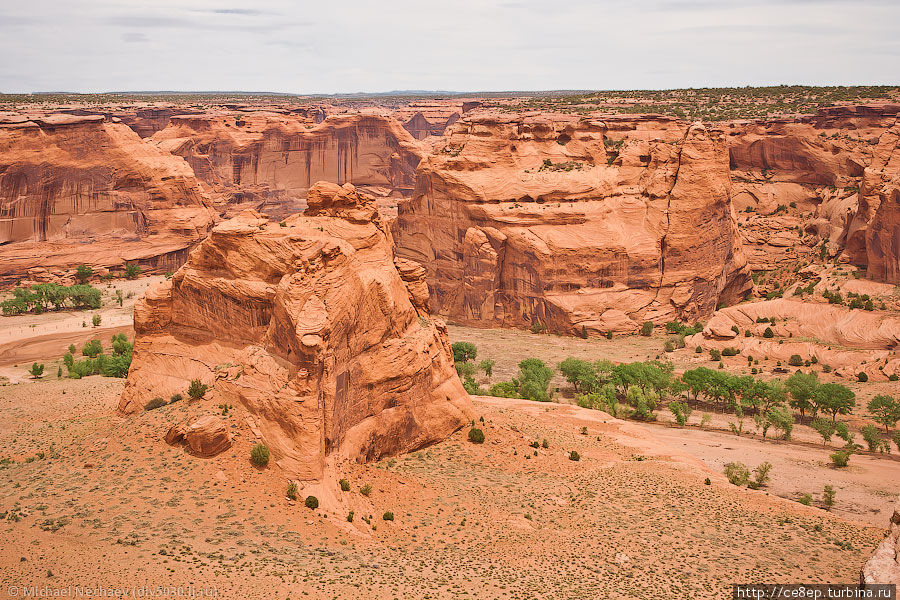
(578, 226)
(267, 160)
(816, 179)
(84, 189)
(312, 327)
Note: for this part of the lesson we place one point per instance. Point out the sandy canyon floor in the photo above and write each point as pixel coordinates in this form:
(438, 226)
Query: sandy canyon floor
(92, 499)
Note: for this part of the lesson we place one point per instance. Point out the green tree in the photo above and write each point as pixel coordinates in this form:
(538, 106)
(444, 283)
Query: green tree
(37, 370)
(83, 273)
(834, 399)
(825, 428)
(96, 319)
(871, 437)
(534, 378)
(463, 351)
(92, 349)
(580, 373)
(487, 366)
(885, 411)
(781, 419)
(802, 387)
(132, 271)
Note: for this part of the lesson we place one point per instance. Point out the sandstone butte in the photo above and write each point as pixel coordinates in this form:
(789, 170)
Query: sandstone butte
(84, 189)
(313, 328)
(578, 226)
(267, 161)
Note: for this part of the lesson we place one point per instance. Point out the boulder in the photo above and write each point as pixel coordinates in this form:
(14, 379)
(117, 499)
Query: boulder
(312, 328)
(206, 436)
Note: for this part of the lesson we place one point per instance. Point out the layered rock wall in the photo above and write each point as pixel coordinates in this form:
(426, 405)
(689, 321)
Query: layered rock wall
(267, 161)
(68, 181)
(577, 226)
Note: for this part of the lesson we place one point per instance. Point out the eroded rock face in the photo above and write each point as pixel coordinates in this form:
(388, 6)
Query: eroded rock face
(884, 565)
(267, 161)
(312, 328)
(522, 221)
(68, 181)
(849, 340)
(806, 181)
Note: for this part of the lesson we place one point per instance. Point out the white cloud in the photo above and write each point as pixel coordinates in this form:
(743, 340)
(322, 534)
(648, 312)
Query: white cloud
(354, 45)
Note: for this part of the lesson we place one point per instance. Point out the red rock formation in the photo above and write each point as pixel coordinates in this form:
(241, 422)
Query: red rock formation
(267, 161)
(884, 565)
(522, 221)
(68, 181)
(312, 328)
(865, 340)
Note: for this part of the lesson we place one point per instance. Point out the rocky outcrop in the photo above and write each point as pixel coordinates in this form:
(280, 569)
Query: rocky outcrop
(848, 340)
(206, 436)
(311, 327)
(267, 161)
(577, 226)
(884, 565)
(68, 181)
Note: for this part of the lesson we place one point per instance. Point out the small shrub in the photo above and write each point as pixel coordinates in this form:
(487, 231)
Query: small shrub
(350, 517)
(609, 335)
(574, 456)
(292, 490)
(175, 398)
(669, 346)
(862, 377)
(311, 502)
(760, 475)
(707, 481)
(197, 389)
(715, 354)
(806, 500)
(698, 350)
(259, 455)
(730, 352)
(155, 403)
(841, 458)
(96, 319)
(737, 473)
(795, 360)
(366, 490)
(545, 444)
(487, 366)
(828, 497)
(647, 329)
(388, 516)
(768, 333)
(476, 436)
(132, 271)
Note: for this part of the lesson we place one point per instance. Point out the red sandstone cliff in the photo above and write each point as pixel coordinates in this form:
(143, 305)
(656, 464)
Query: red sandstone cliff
(267, 160)
(66, 182)
(312, 328)
(523, 221)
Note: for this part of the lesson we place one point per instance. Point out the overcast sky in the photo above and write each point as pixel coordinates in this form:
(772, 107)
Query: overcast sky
(332, 46)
